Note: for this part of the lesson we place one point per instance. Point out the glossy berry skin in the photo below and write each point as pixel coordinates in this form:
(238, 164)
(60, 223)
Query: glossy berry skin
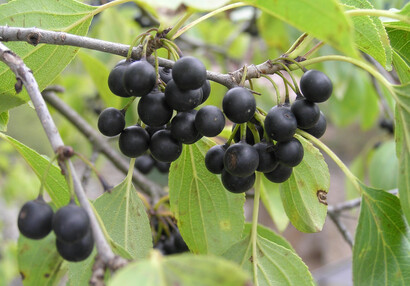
(165, 74)
(206, 91)
(189, 73)
(139, 78)
(153, 109)
(163, 167)
(111, 122)
(78, 250)
(134, 141)
(71, 223)
(151, 129)
(239, 105)
(241, 159)
(214, 159)
(316, 86)
(144, 164)
(289, 153)
(307, 113)
(210, 121)
(164, 147)
(236, 184)
(115, 79)
(35, 219)
(182, 100)
(280, 123)
(183, 127)
(319, 128)
(249, 135)
(280, 174)
(267, 158)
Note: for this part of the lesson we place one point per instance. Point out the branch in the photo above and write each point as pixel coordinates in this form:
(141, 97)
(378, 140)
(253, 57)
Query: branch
(341, 227)
(25, 77)
(100, 143)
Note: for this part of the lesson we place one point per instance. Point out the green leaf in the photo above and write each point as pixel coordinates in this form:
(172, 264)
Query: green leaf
(401, 67)
(197, 4)
(383, 168)
(402, 134)
(275, 264)
(46, 61)
(4, 120)
(304, 193)
(270, 196)
(209, 217)
(400, 43)
(381, 253)
(269, 235)
(185, 269)
(370, 34)
(125, 219)
(39, 261)
(399, 24)
(55, 183)
(330, 23)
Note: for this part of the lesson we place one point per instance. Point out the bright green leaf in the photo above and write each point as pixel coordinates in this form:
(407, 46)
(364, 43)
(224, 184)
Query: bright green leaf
(402, 68)
(381, 253)
(4, 120)
(275, 264)
(46, 61)
(185, 269)
(400, 43)
(383, 168)
(270, 196)
(304, 193)
(55, 183)
(330, 23)
(39, 261)
(269, 235)
(209, 217)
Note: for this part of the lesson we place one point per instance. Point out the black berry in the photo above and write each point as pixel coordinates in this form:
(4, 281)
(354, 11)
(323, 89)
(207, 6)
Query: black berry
(151, 129)
(239, 105)
(183, 127)
(78, 250)
(165, 74)
(280, 123)
(111, 122)
(206, 91)
(35, 218)
(134, 141)
(189, 73)
(316, 86)
(163, 167)
(139, 78)
(241, 159)
(307, 113)
(280, 174)
(182, 100)
(116, 79)
(267, 158)
(214, 159)
(153, 110)
(289, 153)
(249, 135)
(144, 164)
(319, 128)
(210, 121)
(164, 147)
(236, 184)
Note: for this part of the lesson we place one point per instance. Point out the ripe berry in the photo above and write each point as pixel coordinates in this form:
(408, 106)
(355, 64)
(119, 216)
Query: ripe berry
(78, 250)
(210, 121)
(214, 159)
(280, 123)
(289, 153)
(144, 164)
(163, 167)
(151, 129)
(35, 218)
(280, 174)
(307, 113)
(71, 223)
(165, 74)
(241, 159)
(319, 128)
(249, 135)
(182, 100)
(267, 159)
(115, 79)
(111, 121)
(239, 105)
(206, 91)
(139, 78)
(183, 127)
(134, 141)
(236, 184)
(164, 147)
(316, 86)
(189, 73)
(153, 110)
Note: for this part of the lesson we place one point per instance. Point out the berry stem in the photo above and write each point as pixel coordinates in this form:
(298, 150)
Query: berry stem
(232, 134)
(125, 108)
(144, 200)
(133, 44)
(156, 66)
(173, 46)
(333, 156)
(203, 18)
(302, 68)
(296, 88)
(255, 132)
(275, 86)
(244, 74)
(160, 202)
(286, 83)
(44, 177)
(179, 24)
(243, 131)
(170, 49)
(254, 230)
(70, 180)
(300, 45)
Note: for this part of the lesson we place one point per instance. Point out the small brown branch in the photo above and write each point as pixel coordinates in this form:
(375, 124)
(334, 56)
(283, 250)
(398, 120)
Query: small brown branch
(341, 227)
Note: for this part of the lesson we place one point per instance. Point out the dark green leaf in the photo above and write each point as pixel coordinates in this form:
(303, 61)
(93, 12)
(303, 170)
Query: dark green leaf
(383, 168)
(209, 217)
(381, 254)
(330, 23)
(402, 68)
(4, 120)
(400, 43)
(46, 61)
(304, 193)
(185, 269)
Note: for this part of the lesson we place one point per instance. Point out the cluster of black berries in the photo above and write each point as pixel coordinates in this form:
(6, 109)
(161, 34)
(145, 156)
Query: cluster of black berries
(70, 224)
(146, 163)
(238, 162)
(170, 241)
(186, 88)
